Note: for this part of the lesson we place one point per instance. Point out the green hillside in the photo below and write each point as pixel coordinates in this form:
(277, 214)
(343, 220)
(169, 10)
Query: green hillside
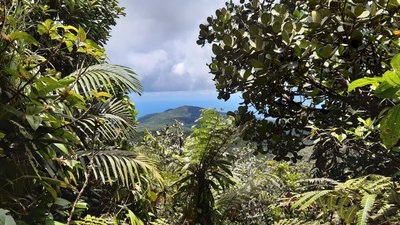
(184, 114)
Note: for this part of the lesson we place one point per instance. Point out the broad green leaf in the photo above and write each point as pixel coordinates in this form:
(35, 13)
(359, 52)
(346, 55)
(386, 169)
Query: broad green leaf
(276, 27)
(102, 94)
(81, 205)
(285, 37)
(364, 14)
(266, 18)
(395, 2)
(52, 222)
(257, 63)
(228, 40)
(385, 90)
(2, 135)
(62, 148)
(81, 34)
(62, 202)
(41, 29)
(46, 85)
(44, 27)
(339, 137)
(216, 49)
(66, 80)
(392, 78)
(69, 27)
(5, 218)
(395, 63)
(325, 52)
(316, 16)
(19, 35)
(34, 121)
(288, 27)
(390, 127)
(133, 218)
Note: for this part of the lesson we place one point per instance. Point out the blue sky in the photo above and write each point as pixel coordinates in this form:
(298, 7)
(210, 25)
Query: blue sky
(157, 39)
(151, 102)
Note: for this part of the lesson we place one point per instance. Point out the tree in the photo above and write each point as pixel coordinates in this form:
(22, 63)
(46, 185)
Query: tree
(292, 62)
(195, 168)
(94, 17)
(65, 123)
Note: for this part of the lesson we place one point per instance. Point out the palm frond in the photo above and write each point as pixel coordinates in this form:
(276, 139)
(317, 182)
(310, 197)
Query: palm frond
(131, 170)
(112, 119)
(105, 77)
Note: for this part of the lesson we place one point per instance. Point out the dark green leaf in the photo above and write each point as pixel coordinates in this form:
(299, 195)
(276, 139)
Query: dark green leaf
(385, 90)
(390, 127)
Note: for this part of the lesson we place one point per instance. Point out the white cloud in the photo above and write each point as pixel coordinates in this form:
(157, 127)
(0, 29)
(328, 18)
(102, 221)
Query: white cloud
(179, 68)
(158, 40)
(145, 63)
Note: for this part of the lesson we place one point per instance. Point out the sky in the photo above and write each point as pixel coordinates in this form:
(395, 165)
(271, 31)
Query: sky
(157, 39)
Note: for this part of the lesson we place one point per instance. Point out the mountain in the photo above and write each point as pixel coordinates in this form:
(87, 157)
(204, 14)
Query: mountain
(184, 114)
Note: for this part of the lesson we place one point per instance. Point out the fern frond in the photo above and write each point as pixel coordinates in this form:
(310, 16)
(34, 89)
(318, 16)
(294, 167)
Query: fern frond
(105, 77)
(351, 214)
(296, 221)
(320, 181)
(352, 183)
(92, 220)
(381, 182)
(367, 204)
(342, 207)
(309, 198)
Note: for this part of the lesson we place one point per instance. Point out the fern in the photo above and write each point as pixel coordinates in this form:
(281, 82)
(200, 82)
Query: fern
(351, 214)
(367, 203)
(296, 221)
(352, 200)
(310, 198)
(92, 220)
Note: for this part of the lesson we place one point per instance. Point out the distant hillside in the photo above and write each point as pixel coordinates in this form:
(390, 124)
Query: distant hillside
(184, 114)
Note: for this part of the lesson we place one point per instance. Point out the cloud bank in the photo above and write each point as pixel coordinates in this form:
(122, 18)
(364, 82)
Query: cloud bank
(157, 39)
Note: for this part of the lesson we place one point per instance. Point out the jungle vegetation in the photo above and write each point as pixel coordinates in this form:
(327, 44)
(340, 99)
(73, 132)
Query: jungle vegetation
(315, 140)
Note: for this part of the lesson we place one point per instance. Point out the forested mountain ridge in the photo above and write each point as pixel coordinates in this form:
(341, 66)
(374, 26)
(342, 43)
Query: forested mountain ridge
(184, 114)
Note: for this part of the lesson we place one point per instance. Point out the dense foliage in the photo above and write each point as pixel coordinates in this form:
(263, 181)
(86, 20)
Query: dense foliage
(292, 62)
(319, 74)
(63, 134)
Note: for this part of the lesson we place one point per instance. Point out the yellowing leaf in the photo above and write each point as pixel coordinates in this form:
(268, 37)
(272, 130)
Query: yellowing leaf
(81, 34)
(102, 94)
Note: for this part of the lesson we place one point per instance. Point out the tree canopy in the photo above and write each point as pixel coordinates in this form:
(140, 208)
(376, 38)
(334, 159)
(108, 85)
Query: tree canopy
(292, 62)
(319, 73)
(66, 118)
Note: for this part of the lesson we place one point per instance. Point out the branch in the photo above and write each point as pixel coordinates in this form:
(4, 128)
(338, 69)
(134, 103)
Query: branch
(85, 184)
